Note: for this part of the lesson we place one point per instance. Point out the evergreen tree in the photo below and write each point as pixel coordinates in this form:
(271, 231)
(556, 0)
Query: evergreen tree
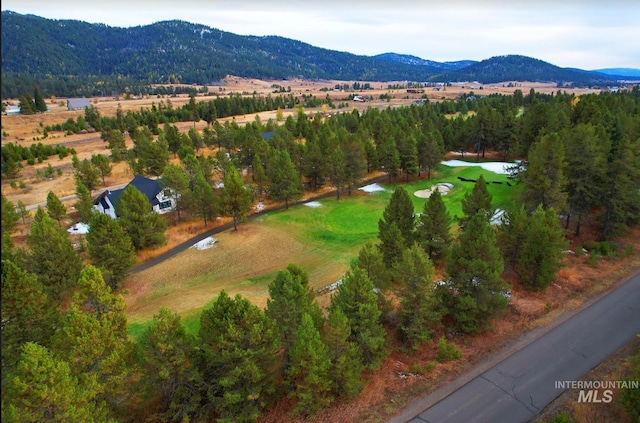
(258, 175)
(400, 210)
(171, 379)
(434, 225)
(87, 173)
(43, 389)
(110, 248)
(284, 181)
(408, 153)
(21, 210)
(586, 165)
(55, 209)
(309, 370)
(116, 143)
(476, 291)
(102, 165)
(38, 101)
(478, 199)
(239, 358)
(85, 203)
(337, 169)
(144, 227)
(543, 179)
(417, 313)
(357, 300)
(371, 261)
(346, 366)
(236, 198)
(512, 233)
(27, 105)
(51, 257)
(540, 255)
(174, 179)
(289, 298)
(28, 314)
(391, 243)
(388, 158)
(94, 335)
(204, 200)
(356, 161)
(621, 197)
(315, 163)
(9, 215)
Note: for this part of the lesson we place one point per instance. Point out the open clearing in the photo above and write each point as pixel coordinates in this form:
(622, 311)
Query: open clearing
(322, 239)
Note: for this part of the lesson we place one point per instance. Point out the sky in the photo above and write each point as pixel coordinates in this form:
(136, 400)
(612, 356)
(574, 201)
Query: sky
(585, 34)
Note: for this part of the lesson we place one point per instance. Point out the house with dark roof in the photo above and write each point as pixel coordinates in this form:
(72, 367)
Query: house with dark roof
(162, 200)
(78, 103)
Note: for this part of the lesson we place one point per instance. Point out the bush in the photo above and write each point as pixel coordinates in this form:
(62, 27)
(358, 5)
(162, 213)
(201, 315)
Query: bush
(447, 351)
(560, 418)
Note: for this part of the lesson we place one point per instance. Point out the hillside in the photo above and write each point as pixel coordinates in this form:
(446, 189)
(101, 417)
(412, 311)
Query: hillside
(64, 56)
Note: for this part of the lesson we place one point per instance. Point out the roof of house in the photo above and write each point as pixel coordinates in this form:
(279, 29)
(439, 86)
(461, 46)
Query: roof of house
(149, 187)
(267, 135)
(78, 103)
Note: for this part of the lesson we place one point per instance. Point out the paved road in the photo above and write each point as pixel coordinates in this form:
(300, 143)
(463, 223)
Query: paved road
(519, 387)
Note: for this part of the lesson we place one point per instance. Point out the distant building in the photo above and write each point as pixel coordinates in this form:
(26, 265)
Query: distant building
(161, 200)
(13, 110)
(78, 103)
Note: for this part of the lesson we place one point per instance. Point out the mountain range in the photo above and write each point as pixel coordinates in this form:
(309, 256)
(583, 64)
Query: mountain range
(36, 48)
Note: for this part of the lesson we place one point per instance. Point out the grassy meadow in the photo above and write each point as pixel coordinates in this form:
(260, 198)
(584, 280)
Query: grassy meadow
(322, 240)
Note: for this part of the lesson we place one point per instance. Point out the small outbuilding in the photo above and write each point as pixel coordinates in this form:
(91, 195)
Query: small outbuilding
(78, 103)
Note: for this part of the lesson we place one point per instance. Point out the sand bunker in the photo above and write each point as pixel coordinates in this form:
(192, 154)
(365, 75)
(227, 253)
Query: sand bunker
(205, 244)
(495, 167)
(444, 189)
(371, 188)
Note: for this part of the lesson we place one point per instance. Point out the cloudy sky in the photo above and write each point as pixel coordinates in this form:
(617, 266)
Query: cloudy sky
(586, 34)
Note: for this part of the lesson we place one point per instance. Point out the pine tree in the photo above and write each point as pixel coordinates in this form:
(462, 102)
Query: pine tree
(204, 201)
(337, 170)
(239, 358)
(144, 227)
(171, 379)
(51, 257)
(408, 153)
(541, 254)
(585, 171)
(346, 366)
(87, 173)
(309, 370)
(43, 388)
(474, 268)
(391, 243)
(284, 181)
(55, 209)
(258, 175)
(543, 178)
(357, 300)
(400, 210)
(38, 100)
(110, 248)
(388, 158)
(289, 298)
(102, 165)
(9, 215)
(478, 199)
(174, 179)
(434, 225)
(28, 314)
(85, 203)
(94, 335)
(418, 313)
(236, 198)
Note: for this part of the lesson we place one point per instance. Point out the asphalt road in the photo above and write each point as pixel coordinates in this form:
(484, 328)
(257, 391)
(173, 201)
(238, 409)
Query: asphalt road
(519, 387)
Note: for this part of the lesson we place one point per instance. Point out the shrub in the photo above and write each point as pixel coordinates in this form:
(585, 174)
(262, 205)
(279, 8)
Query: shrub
(447, 351)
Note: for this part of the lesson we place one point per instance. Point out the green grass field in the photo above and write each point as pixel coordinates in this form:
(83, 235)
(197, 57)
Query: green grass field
(321, 240)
